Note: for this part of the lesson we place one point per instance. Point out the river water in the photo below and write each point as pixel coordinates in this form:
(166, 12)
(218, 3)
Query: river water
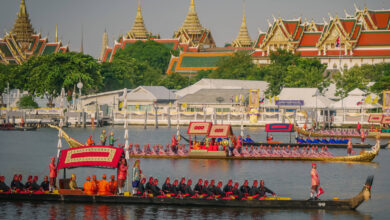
(29, 153)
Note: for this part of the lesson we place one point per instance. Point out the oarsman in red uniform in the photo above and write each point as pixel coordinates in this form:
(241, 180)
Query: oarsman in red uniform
(122, 175)
(358, 127)
(362, 137)
(52, 175)
(315, 182)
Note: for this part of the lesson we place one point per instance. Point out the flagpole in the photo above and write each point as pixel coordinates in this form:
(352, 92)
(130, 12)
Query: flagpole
(126, 135)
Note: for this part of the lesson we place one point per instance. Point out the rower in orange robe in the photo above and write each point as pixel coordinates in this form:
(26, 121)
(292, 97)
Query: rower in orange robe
(95, 184)
(88, 187)
(103, 186)
(112, 185)
(90, 142)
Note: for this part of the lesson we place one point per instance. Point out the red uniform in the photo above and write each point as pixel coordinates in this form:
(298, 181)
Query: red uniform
(53, 172)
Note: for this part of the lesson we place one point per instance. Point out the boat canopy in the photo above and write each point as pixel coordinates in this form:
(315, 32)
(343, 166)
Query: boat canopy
(279, 127)
(199, 128)
(220, 131)
(375, 119)
(90, 156)
(385, 119)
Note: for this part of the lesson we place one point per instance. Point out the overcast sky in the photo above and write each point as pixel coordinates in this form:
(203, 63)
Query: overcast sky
(222, 17)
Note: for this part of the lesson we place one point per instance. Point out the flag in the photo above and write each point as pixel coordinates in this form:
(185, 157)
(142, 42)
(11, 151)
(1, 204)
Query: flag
(261, 101)
(375, 101)
(368, 99)
(360, 102)
(236, 98)
(320, 191)
(338, 41)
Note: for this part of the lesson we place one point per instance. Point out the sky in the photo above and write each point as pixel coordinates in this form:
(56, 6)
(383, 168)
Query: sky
(222, 17)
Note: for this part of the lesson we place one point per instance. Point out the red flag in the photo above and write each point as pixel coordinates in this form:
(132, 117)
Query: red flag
(320, 191)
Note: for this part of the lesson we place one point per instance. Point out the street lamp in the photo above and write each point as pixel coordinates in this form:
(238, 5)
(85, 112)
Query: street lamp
(80, 86)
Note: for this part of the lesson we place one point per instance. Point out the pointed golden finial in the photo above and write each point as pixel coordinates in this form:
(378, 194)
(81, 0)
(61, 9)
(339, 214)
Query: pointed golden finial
(56, 32)
(192, 6)
(243, 13)
(139, 9)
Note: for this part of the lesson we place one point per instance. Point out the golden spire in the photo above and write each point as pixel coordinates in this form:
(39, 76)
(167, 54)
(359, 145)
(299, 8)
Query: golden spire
(243, 39)
(104, 44)
(192, 24)
(56, 33)
(138, 31)
(23, 29)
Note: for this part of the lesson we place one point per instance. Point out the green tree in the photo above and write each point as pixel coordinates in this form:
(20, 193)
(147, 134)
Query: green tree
(356, 77)
(174, 81)
(8, 76)
(155, 54)
(27, 102)
(47, 75)
(292, 70)
(382, 82)
(128, 73)
(238, 66)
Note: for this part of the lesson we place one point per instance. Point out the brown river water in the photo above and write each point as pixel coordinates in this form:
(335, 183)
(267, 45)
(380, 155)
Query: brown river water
(29, 153)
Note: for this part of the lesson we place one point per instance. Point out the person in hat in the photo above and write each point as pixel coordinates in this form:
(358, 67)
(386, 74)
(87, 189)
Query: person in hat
(122, 175)
(103, 188)
(72, 183)
(315, 182)
(88, 186)
(52, 174)
(112, 185)
(111, 139)
(90, 141)
(103, 137)
(136, 176)
(95, 184)
(3, 186)
(264, 190)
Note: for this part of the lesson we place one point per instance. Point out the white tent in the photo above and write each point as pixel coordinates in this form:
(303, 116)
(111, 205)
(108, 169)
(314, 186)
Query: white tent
(356, 100)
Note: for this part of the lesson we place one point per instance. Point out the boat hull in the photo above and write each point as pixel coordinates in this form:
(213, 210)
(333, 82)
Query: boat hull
(279, 204)
(317, 134)
(365, 156)
(336, 146)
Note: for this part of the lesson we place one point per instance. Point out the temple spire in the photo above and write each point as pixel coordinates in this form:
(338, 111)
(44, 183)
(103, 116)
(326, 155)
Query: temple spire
(192, 24)
(56, 33)
(82, 40)
(138, 31)
(243, 39)
(23, 29)
(104, 44)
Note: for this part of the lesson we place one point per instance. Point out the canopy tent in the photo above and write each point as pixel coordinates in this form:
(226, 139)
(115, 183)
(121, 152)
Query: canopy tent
(220, 131)
(375, 119)
(279, 127)
(199, 128)
(385, 119)
(90, 156)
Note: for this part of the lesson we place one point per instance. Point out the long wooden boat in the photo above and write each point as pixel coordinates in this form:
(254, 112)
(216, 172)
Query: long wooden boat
(318, 134)
(337, 146)
(16, 128)
(364, 156)
(286, 203)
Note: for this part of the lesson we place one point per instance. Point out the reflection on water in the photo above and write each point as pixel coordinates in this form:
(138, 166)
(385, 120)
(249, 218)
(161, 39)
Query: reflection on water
(97, 211)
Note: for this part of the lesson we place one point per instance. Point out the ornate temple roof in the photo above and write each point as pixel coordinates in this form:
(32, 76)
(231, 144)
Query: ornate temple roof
(21, 43)
(138, 31)
(243, 39)
(23, 29)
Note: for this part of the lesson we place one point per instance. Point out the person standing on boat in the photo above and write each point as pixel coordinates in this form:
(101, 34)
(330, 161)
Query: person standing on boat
(111, 139)
(52, 175)
(136, 175)
(315, 182)
(358, 127)
(103, 138)
(349, 147)
(122, 175)
(362, 136)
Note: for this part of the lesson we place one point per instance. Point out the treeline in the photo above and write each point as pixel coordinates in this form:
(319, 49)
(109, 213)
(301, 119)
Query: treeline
(145, 63)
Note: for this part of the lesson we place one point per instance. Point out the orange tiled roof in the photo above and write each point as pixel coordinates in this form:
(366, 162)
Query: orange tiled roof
(374, 38)
(380, 18)
(310, 39)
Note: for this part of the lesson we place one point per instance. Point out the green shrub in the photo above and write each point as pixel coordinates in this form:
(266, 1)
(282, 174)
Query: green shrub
(27, 102)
